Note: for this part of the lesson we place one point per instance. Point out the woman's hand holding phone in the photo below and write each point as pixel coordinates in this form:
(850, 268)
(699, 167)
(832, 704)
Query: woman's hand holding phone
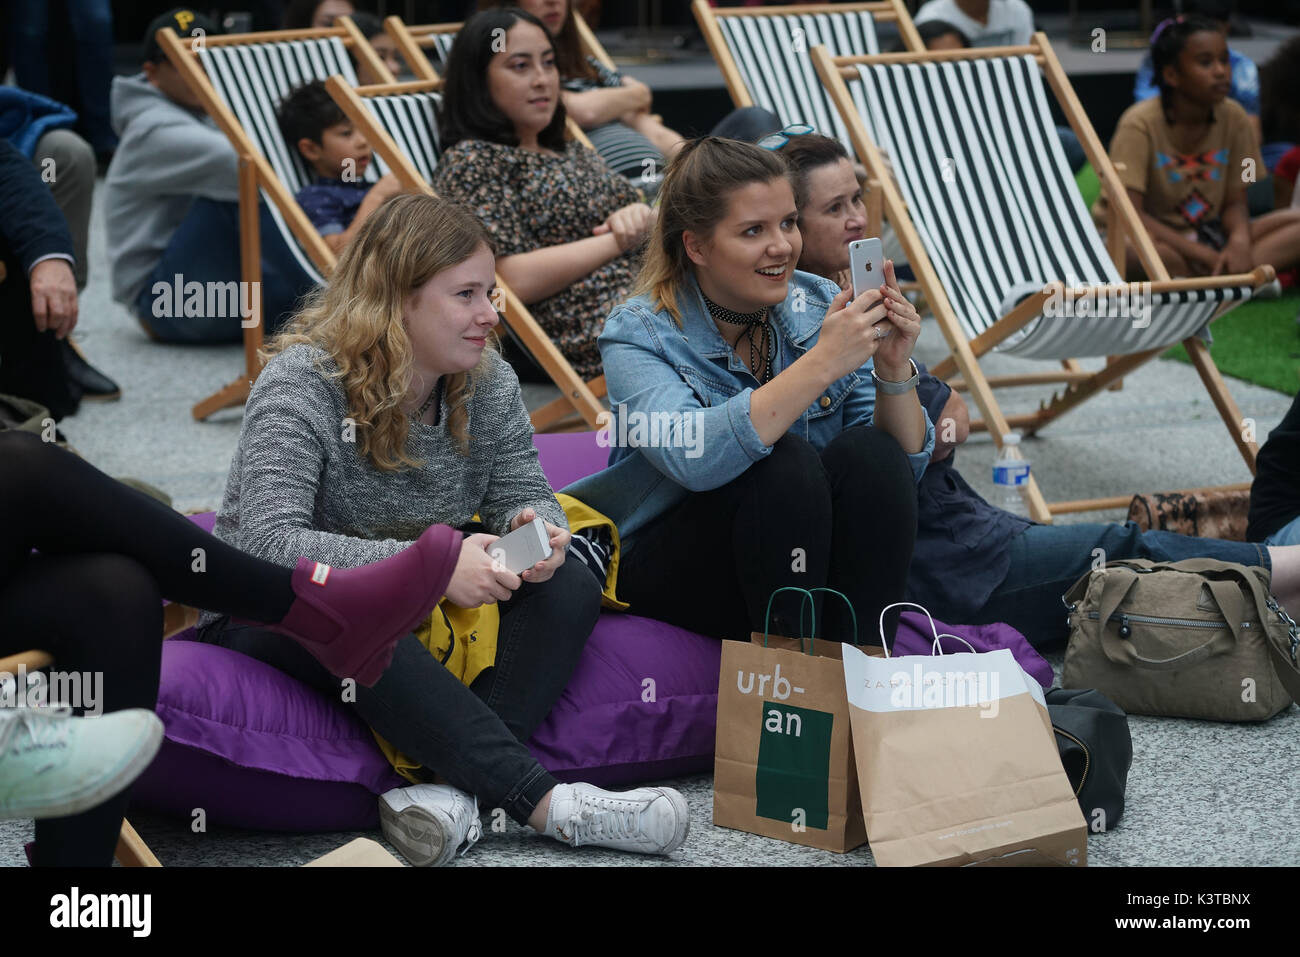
(478, 578)
(559, 539)
(894, 351)
(848, 338)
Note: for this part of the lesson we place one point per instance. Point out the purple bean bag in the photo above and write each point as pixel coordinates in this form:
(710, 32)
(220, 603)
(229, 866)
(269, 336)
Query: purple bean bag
(256, 748)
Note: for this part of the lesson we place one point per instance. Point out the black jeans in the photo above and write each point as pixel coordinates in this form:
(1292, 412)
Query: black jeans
(473, 737)
(844, 518)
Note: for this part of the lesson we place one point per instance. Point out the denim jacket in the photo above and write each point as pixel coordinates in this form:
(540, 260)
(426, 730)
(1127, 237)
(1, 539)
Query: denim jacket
(680, 399)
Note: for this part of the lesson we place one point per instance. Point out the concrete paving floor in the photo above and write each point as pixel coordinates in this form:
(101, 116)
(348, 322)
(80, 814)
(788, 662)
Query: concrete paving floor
(1198, 792)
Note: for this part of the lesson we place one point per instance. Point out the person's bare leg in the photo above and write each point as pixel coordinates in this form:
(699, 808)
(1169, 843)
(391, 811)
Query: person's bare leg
(537, 820)
(1286, 576)
(1275, 238)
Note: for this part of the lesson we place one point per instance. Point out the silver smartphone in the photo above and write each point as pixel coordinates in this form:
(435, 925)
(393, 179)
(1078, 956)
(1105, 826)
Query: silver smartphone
(866, 265)
(521, 549)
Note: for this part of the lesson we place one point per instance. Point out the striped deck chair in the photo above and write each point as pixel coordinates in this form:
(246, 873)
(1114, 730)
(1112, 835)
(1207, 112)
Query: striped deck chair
(412, 40)
(763, 53)
(399, 121)
(240, 79)
(990, 218)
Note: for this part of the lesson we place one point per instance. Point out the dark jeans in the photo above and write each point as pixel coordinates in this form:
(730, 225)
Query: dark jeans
(1047, 559)
(473, 737)
(204, 249)
(843, 518)
(31, 363)
(90, 23)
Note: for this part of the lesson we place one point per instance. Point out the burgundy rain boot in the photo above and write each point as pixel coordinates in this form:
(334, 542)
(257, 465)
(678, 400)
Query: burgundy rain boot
(350, 619)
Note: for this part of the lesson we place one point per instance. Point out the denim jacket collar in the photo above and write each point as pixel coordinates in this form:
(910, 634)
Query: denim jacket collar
(796, 326)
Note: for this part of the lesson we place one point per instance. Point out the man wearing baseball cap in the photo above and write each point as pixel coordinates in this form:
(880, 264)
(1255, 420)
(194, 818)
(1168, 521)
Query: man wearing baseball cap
(171, 207)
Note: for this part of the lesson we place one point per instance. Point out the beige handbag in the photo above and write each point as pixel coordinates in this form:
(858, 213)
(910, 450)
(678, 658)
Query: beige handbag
(1193, 639)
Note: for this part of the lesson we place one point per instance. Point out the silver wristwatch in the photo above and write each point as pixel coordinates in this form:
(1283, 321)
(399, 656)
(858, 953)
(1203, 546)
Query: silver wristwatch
(897, 388)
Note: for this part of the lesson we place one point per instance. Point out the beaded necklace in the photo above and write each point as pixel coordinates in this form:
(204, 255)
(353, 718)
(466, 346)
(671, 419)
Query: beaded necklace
(434, 394)
(758, 331)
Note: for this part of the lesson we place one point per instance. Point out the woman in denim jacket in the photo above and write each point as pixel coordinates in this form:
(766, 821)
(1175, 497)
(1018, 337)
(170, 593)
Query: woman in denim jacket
(754, 446)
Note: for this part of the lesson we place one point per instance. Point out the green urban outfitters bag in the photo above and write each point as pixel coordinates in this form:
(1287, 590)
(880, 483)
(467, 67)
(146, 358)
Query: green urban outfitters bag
(783, 763)
(1198, 638)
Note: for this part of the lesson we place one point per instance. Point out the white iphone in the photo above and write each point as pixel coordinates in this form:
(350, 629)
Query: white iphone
(867, 267)
(521, 549)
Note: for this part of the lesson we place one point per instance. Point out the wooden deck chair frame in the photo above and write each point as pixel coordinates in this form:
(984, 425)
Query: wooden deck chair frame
(131, 850)
(577, 398)
(413, 38)
(410, 42)
(1124, 225)
(255, 175)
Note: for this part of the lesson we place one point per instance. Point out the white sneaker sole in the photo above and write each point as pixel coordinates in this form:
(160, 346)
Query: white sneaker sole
(683, 822)
(419, 835)
(118, 779)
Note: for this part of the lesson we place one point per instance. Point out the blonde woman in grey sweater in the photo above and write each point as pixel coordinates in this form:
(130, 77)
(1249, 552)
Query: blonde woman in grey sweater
(384, 409)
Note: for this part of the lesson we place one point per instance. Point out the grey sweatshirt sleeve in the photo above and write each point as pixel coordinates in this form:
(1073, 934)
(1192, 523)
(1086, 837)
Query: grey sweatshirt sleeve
(292, 424)
(516, 481)
(191, 159)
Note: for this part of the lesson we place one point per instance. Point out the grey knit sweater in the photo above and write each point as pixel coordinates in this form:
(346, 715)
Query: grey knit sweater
(298, 487)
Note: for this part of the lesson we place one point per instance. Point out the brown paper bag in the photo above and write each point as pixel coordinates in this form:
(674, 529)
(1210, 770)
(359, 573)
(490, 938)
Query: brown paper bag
(783, 765)
(957, 764)
(361, 852)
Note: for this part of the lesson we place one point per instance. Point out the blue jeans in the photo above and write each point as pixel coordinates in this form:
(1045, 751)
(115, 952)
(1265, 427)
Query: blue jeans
(1288, 534)
(90, 23)
(1047, 559)
(205, 248)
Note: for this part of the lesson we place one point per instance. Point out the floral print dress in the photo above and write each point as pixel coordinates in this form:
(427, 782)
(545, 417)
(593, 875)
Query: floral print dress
(530, 200)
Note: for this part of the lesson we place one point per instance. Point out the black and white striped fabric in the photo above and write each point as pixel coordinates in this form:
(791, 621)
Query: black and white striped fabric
(442, 48)
(977, 158)
(411, 119)
(772, 55)
(252, 79)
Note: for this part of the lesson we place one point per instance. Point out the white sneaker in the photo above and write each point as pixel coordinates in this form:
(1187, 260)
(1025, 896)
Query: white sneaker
(644, 821)
(428, 823)
(54, 765)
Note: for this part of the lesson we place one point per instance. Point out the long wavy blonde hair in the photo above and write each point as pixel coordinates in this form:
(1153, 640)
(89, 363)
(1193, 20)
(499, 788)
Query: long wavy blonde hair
(357, 319)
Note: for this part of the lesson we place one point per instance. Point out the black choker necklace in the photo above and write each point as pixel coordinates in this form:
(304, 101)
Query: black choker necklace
(758, 331)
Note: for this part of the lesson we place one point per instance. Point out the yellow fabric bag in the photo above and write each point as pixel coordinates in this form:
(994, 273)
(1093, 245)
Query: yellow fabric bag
(465, 639)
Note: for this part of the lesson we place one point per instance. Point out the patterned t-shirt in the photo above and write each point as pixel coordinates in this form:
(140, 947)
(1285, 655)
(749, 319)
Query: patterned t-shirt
(1183, 188)
(530, 200)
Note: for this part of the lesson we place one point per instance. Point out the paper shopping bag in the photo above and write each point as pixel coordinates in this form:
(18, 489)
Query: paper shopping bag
(956, 762)
(783, 765)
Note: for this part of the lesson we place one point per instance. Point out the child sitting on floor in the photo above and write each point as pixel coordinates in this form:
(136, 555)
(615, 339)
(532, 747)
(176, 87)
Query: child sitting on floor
(1187, 157)
(339, 199)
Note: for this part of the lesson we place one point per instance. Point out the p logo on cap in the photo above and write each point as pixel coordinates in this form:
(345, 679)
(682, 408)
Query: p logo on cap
(183, 19)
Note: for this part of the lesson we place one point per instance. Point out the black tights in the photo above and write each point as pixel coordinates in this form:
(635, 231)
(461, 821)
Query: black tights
(93, 596)
(844, 518)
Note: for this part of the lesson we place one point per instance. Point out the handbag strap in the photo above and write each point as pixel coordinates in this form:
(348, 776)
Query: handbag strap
(1120, 581)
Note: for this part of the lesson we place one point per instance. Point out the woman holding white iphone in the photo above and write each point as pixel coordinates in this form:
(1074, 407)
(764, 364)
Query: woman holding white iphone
(383, 409)
(812, 438)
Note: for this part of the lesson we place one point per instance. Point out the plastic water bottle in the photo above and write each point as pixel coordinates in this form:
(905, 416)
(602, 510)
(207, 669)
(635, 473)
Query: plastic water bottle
(1010, 474)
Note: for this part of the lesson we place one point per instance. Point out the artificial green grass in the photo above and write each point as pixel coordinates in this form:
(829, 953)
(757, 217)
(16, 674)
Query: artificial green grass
(1088, 183)
(1258, 342)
